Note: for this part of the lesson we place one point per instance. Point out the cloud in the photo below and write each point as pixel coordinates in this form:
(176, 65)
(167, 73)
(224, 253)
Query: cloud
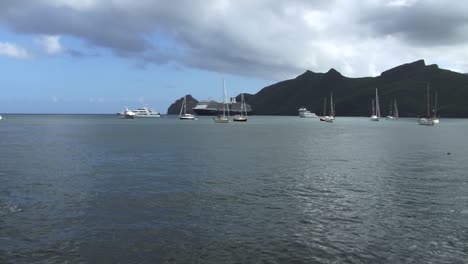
(51, 44)
(269, 39)
(14, 51)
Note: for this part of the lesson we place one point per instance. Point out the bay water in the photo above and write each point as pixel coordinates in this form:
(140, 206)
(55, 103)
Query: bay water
(98, 189)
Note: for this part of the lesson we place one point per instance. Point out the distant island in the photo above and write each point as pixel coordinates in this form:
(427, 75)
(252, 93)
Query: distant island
(407, 83)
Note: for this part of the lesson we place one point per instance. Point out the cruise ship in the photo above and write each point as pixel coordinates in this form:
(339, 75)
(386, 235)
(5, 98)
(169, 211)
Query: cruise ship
(213, 108)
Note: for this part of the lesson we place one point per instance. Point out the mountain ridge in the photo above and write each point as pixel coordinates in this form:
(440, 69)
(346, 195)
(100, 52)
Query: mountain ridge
(407, 83)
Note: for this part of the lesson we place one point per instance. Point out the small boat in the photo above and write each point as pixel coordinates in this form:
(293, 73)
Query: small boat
(183, 112)
(393, 113)
(1, 117)
(223, 118)
(427, 121)
(375, 109)
(242, 117)
(304, 113)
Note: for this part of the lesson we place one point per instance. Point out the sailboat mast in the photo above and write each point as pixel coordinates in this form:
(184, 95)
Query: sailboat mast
(395, 109)
(332, 112)
(373, 107)
(435, 106)
(224, 98)
(325, 107)
(182, 108)
(391, 110)
(243, 106)
(428, 103)
(377, 106)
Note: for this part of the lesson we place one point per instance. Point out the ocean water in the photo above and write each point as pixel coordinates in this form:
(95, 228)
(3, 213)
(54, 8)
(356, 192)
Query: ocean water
(98, 189)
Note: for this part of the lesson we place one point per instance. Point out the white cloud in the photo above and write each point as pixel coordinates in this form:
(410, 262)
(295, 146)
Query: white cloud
(401, 3)
(51, 44)
(13, 50)
(75, 4)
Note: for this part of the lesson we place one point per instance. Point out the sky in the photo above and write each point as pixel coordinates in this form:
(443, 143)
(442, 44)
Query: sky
(98, 56)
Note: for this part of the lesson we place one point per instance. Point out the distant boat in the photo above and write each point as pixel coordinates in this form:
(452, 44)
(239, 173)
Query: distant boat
(183, 111)
(375, 109)
(427, 121)
(223, 118)
(1, 117)
(145, 112)
(242, 117)
(304, 113)
(393, 113)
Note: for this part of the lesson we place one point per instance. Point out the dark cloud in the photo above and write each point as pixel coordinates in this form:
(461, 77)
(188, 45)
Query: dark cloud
(270, 39)
(423, 23)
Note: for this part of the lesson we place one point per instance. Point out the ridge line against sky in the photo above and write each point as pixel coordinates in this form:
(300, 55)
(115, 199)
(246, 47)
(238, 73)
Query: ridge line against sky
(99, 56)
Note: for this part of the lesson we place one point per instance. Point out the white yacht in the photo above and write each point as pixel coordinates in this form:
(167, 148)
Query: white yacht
(183, 112)
(145, 112)
(304, 113)
(127, 114)
(375, 109)
(1, 117)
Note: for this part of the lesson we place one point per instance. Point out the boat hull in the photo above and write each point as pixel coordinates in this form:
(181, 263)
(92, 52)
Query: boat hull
(187, 118)
(221, 120)
(426, 122)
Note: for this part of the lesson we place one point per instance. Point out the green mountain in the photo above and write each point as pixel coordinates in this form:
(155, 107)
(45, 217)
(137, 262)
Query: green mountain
(174, 108)
(352, 96)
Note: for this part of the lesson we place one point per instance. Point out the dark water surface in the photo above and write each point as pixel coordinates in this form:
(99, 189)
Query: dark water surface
(97, 189)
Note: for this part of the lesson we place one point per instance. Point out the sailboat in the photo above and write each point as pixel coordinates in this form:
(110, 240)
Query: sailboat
(331, 117)
(324, 116)
(393, 112)
(435, 118)
(243, 111)
(375, 111)
(223, 118)
(427, 121)
(183, 111)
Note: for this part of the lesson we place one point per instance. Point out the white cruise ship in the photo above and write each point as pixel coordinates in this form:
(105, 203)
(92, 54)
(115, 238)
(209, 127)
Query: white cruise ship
(145, 112)
(304, 113)
(140, 112)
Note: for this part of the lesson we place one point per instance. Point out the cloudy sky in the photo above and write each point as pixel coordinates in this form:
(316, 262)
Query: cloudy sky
(101, 55)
